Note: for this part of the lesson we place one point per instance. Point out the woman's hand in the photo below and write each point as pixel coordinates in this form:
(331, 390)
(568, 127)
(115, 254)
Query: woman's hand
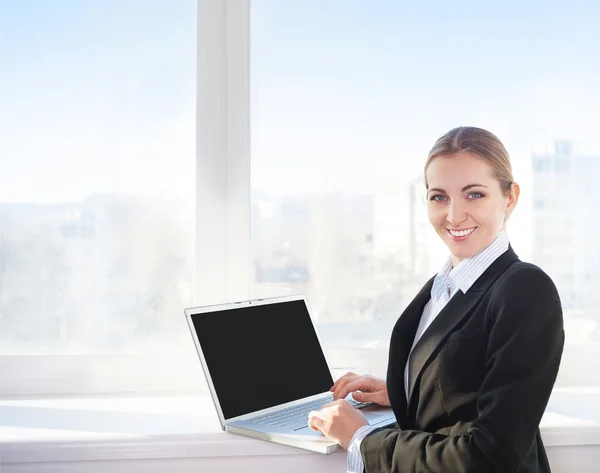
(365, 388)
(338, 421)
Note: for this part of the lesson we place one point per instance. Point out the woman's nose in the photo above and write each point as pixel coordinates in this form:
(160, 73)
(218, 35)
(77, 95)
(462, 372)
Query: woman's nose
(456, 215)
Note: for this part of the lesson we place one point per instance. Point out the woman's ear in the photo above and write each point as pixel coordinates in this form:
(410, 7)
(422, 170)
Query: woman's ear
(513, 198)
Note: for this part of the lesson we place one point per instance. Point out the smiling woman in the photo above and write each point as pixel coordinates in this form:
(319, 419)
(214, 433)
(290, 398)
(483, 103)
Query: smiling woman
(470, 190)
(474, 357)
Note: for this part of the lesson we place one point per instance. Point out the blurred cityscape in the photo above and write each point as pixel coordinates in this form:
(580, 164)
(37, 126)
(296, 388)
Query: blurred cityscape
(98, 274)
(93, 276)
(360, 259)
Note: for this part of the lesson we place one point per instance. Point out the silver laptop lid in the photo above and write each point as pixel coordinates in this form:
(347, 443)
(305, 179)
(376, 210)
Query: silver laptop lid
(258, 354)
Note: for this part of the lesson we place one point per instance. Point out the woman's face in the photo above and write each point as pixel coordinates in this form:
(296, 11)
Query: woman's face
(465, 204)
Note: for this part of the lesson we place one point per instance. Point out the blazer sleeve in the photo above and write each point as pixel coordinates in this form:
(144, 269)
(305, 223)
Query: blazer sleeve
(525, 346)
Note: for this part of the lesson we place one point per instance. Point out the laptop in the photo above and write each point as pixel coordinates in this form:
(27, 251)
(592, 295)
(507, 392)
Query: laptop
(266, 370)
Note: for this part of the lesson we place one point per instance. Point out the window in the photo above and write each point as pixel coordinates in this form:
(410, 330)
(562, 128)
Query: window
(540, 165)
(348, 98)
(98, 204)
(97, 134)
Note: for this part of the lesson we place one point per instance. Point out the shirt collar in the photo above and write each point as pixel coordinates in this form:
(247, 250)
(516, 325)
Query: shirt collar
(468, 270)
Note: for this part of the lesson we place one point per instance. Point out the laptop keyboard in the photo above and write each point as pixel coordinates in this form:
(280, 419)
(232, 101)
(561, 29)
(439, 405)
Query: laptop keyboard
(296, 417)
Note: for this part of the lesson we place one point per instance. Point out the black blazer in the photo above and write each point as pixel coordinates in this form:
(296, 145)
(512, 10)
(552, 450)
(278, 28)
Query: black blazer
(480, 378)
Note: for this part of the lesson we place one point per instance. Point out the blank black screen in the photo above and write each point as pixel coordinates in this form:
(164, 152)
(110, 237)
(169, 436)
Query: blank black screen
(261, 356)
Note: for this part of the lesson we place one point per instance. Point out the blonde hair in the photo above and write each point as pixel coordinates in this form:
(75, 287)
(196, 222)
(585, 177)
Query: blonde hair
(486, 145)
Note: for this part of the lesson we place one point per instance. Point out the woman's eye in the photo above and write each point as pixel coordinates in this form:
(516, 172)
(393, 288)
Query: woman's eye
(437, 198)
(475, 195)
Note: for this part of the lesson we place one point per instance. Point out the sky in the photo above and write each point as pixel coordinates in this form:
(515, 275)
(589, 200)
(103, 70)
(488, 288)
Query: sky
(361, 90)
(346, 95)
(96, 97)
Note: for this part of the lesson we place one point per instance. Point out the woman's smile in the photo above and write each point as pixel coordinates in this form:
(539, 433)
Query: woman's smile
(461, 235)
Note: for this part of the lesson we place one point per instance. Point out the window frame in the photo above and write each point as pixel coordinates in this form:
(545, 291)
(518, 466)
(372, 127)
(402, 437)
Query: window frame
(222, 253)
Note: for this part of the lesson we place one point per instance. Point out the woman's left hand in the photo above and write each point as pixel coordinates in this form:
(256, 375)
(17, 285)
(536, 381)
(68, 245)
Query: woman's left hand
(338, 421)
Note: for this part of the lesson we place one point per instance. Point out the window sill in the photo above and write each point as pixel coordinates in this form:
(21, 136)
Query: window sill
(67, 430)
(42, 431)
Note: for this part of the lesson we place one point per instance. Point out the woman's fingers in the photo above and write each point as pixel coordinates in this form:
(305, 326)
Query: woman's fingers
(345, 376)
(341, 387)
(315, 422)
(351, 382)
(359, 384)
(363, 396)
(341, 382)
(378, 397)
(366, 389)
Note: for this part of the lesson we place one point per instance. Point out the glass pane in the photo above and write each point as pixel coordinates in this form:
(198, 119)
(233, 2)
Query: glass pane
(349, 97)
(96, 198)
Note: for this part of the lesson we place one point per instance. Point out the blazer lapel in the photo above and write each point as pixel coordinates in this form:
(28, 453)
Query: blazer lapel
(400, 345)
(457, 309)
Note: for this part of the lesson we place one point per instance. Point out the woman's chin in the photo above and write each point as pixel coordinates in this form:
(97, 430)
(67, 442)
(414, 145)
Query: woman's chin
(460, 251)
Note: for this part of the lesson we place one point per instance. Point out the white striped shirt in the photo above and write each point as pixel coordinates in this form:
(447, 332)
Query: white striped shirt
(445, 285)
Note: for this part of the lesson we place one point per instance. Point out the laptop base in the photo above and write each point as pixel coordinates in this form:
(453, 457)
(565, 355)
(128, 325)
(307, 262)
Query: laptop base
(325, 446)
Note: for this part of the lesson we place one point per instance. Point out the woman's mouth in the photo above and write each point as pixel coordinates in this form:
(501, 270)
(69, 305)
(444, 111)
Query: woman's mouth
(461, 235)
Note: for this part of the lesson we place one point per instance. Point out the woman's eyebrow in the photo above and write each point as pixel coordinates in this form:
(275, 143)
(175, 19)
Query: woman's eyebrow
(467, 187)
(437, 189)
(473, 185)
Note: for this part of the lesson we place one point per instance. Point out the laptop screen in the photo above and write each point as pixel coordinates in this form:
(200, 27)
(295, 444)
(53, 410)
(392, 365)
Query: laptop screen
(262, 356)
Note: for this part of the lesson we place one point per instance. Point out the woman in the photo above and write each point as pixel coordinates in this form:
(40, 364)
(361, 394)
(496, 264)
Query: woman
(475, 355)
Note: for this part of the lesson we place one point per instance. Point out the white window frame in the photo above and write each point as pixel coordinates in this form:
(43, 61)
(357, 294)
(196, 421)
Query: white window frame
(222, 243)
(223, 255)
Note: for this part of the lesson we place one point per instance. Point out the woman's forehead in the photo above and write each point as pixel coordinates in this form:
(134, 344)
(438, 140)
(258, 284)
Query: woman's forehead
(458, 170)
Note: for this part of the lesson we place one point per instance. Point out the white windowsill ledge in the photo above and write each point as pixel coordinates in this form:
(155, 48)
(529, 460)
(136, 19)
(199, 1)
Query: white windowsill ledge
(66, 430)
(75, 430)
